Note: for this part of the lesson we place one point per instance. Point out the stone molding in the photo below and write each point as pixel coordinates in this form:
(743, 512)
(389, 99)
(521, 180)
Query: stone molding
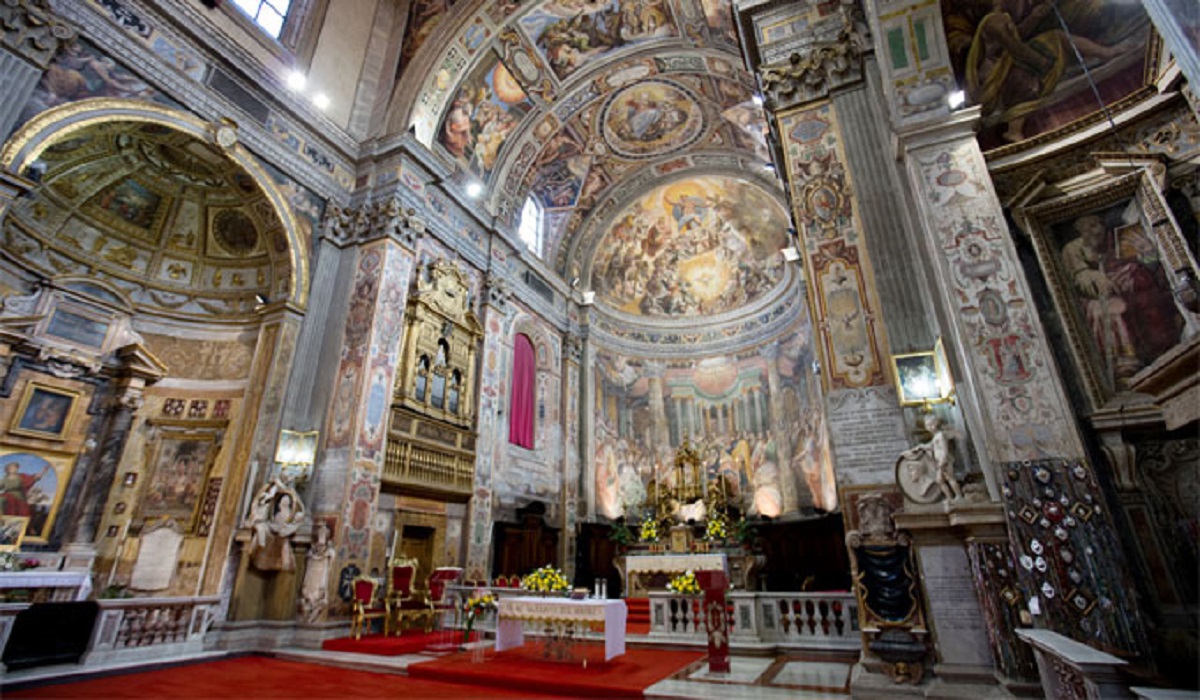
(33, 31)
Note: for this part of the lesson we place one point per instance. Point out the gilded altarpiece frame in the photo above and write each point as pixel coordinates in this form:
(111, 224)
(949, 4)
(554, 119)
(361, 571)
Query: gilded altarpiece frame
(1113, 257)
(179, 465)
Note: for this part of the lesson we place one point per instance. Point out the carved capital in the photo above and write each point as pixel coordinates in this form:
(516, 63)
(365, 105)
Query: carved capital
(496, 291)
(812, 73)
(32, 31)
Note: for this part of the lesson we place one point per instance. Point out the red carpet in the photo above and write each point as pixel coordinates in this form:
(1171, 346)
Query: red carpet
(263, 677)
(523, 669)
(638, 619)
(408, 643)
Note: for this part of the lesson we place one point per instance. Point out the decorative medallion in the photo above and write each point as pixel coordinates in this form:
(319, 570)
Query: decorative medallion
(651, 118)
(234, 231)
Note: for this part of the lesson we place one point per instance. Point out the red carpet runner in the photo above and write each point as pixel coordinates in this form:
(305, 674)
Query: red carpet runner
(407, 643)
(523, 669)
(260, 677)
(638, 620)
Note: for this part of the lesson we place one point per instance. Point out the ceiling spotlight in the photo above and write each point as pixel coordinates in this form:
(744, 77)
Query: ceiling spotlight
(474, 189)
(757, 99)
(769, 167)
(956, 99)
(260, 298)
(296, 80)
(321, 100)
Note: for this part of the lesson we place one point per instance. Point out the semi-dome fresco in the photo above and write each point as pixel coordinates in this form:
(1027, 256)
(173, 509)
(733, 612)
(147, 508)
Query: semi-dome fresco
(699, 246)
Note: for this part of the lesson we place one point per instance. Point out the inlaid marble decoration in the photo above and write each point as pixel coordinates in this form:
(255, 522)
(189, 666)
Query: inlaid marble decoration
(1007, 352)
(697, 246)
(839, 273)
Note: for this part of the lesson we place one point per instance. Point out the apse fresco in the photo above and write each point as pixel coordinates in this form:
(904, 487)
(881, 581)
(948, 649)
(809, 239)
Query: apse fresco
(573, 33)
(487, 108)
(772, 451)
(1016, 62)
(698, 246)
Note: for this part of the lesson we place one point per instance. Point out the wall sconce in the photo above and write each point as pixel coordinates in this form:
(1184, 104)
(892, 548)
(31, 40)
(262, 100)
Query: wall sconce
(923, 378)
(295, 456)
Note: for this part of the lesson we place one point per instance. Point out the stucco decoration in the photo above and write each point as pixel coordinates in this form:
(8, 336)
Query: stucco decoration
(698, 246)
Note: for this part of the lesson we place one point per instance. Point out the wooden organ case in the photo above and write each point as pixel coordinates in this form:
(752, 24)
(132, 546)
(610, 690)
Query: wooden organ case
(431, 437)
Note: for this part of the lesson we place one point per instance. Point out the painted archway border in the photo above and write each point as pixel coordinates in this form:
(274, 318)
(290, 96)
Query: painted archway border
(58, 123)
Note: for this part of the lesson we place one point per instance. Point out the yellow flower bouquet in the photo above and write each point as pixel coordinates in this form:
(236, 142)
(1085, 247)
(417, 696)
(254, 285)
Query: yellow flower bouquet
(649, 531)
(545, 580)
(716, 530)
(685, 584)
(473, 608)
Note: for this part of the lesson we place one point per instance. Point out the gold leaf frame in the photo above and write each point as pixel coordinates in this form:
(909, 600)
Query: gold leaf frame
(24, 424)
(61, 464)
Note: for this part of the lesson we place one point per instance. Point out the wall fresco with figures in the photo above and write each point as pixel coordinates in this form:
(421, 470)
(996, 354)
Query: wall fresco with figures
(1019, 65)
(755, 418)
(570, 33)
(486, 109)
(699, 246)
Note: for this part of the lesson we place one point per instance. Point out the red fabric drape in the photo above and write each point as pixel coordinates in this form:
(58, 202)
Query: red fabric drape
(521, 409)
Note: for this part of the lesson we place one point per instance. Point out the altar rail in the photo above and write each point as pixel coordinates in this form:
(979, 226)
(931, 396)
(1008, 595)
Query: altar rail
(796, 620)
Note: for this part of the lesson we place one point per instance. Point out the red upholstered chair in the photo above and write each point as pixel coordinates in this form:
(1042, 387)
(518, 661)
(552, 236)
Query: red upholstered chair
(514, 581)
(366, 607)
(500, 582)
(438, 592)
(402, 602)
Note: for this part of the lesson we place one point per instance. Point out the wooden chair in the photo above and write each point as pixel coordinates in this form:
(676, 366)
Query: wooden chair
(440, 602)
(402, 602)
(366, 607)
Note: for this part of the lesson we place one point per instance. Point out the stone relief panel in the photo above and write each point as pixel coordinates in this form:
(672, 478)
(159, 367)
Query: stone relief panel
(214, 360)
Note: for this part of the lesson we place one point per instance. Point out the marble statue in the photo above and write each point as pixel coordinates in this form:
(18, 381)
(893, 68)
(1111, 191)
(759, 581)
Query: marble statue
(315, 589)
(275, 517)
(925, 473)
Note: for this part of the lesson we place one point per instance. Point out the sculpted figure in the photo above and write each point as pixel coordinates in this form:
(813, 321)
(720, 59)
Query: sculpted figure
(926, 471)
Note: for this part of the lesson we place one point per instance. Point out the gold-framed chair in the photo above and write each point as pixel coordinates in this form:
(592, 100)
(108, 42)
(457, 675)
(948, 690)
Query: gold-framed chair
(366, 607)
(403, 603)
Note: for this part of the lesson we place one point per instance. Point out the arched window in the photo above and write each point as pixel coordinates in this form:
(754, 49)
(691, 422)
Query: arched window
(422, 378)
(530, 229)
(521, 413)
(455, 390)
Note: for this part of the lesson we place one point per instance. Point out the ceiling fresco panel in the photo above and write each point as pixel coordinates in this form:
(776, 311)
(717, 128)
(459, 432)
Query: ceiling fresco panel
(572, 33)
(483, 113)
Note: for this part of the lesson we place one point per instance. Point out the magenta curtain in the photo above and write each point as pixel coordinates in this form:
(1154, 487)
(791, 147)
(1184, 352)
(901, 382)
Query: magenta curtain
(521, 409)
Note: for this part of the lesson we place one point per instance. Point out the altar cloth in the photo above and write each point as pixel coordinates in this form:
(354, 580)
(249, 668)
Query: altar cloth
(512, 613)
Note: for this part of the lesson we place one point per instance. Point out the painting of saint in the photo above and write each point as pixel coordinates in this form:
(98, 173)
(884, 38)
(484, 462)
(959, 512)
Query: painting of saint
(31, 487)
(1015, 59)
(1114, 276)
(177, 478)
(485, 110)
(570, 33)
(45, 413)
(130, 201)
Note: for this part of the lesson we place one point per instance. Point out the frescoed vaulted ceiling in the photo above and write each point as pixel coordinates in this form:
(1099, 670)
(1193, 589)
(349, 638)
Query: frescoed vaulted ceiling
(160, 214)
(631, 122)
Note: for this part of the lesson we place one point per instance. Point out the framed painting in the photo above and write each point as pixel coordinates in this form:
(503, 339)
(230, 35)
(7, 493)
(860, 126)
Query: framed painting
(179, 464)
(32, 487)
(44, 412)
(1110, 280)
(12, 531)
(916, 378)
(85, 330)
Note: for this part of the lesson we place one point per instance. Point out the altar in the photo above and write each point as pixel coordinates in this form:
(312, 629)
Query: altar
(636, 569)
(563, 617)
(47, 586)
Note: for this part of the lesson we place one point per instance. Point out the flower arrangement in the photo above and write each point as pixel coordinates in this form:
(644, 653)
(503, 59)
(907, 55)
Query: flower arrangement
(545, 580)
(649, 531)
(685, 583)
(9, 561)
(716, 529)
(474, 607)
(620, 534)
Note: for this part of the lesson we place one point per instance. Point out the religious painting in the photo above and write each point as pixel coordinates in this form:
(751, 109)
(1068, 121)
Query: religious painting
(916, 378)
(488, 106)
(423, 17)
(32, 487)
(129, 201)
(651, 117)
(559, 169)
(1109, 283)
(573, 33)
(697, 246)
(719, 16)
(81, 71)
(44, 412)
(77, 328)
(1016, 61)
(770, 455)
(178, 468)
(12, 531)
(749, 127)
